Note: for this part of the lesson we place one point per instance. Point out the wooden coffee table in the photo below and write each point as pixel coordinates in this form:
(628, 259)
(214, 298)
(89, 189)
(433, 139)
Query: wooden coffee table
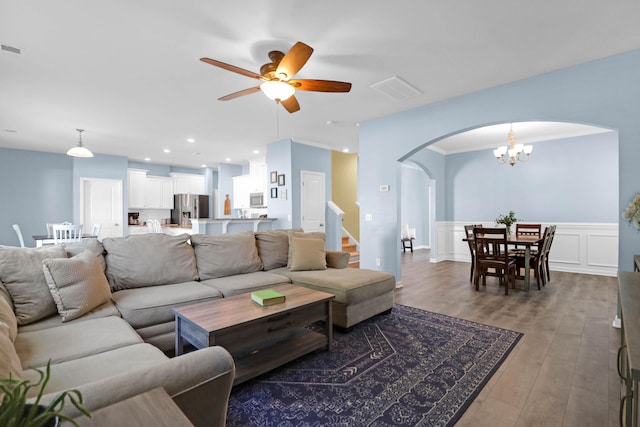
(259, 338)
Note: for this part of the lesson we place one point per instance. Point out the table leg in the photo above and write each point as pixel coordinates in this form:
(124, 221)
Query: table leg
(179, 340)
(527, 270)
(329, 325)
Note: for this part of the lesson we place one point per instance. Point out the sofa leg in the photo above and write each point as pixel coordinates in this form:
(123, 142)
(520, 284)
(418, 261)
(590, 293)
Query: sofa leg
(343, 330)
(386, 312)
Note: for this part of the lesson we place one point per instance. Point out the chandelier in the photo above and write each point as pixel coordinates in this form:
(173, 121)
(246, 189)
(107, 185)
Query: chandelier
(514, 152)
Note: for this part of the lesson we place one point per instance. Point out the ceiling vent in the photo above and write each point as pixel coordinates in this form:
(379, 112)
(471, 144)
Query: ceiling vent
(396, 88)
(11, 49)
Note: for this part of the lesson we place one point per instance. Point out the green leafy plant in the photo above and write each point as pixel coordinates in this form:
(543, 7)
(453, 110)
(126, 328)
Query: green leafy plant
(507, 220)
(16, 412)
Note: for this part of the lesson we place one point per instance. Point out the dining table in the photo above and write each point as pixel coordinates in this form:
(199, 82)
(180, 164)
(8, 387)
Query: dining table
(44, 239)
(528, 242)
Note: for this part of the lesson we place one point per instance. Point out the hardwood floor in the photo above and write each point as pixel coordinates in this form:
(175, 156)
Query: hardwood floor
(563, 370)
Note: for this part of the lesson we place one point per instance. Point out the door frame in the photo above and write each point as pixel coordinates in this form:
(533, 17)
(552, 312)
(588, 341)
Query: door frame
(324, 196)
(119, 182)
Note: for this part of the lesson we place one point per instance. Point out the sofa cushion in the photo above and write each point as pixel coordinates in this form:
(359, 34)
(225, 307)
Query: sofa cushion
(76, 372)
(21, 273)
(9, 360)
(349, 285)
(74, 340)
(148, 260)
(91, 244)
(273, 248)
(300, 234)
(241, 283)
(105, 310)
(220, 256)
(143, 307)
(7, 316)
(77, 284)
(307, 254)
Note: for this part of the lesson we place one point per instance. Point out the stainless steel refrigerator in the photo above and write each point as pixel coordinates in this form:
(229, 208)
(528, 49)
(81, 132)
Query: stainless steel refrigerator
(187, 206)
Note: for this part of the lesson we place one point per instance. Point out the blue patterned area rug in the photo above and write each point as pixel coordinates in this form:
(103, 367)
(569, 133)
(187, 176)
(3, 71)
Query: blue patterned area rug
(409, 368)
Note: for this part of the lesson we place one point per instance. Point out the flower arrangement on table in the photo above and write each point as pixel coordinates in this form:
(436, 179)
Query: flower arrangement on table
(632, 213)
(508, 220)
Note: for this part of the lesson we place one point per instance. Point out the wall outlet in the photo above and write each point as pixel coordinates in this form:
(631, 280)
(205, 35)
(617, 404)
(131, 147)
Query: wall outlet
(377, 262)
(368, 217)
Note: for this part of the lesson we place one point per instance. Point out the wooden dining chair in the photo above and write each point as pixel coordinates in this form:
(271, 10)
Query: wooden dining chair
(407, 235)
(536, 260)
(525, 230)
(468, 231)
(492, 254)
(548, 251)
(67, 233)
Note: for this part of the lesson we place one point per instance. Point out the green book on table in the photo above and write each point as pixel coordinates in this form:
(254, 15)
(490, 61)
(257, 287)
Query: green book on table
(267, 297)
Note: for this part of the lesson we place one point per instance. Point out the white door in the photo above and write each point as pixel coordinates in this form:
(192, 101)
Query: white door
(101, 203)
(313, 201)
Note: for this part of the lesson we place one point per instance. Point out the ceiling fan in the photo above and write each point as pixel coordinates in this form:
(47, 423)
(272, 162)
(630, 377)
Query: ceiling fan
(277, 76)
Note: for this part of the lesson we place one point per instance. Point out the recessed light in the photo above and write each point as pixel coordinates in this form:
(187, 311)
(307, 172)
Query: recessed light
(256, 151)
(345, 150)
(147, 159)
(191, 140)
(227, 159)
(166, 150)
(204, 166)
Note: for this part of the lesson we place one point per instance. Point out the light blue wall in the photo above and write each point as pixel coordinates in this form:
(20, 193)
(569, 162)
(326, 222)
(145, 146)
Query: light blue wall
(414, 199)
(35, 188)
(568, 180)
(311, 159)
(604, 92)
(279, 160)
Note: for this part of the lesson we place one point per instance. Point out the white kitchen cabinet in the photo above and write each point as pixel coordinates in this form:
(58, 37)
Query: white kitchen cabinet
(159, 193)
(187, 183)
(258, 174)
(137, 187)
(241, 190)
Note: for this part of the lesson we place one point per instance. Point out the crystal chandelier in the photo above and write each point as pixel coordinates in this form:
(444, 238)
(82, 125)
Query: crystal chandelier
(514, 152)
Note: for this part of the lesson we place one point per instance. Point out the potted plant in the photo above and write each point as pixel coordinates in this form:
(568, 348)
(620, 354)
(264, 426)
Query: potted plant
(16, 412)
(508, 220)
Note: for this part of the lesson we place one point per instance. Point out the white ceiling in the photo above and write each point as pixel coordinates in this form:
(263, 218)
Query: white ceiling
(128, 72)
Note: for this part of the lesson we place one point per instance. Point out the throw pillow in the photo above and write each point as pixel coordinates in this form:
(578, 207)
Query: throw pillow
(227, 255)
(77, 285)
(311, 235)
(307, 254)
(21, 273)
(273, 248)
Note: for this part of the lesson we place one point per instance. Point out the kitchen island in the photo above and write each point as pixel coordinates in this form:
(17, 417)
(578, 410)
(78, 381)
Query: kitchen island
(212, 227)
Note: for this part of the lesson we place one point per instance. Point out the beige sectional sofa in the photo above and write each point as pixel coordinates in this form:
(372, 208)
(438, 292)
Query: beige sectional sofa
(101, 311)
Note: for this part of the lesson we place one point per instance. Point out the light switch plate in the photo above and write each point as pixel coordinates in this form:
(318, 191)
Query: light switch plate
(384, 188)
(368, 217)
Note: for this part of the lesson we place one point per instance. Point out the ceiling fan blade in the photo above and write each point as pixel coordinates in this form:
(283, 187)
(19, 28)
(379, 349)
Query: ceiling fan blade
(240, 93)
(291, 104)
(321, 85)
(293, 61)
(233, 68)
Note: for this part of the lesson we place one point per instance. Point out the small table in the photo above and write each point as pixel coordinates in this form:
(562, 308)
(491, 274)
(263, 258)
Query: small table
(154, 408)
(43, 239)
(259, 338)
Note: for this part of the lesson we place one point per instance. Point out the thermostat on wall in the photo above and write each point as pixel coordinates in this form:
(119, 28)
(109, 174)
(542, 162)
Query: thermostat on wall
(384, 187)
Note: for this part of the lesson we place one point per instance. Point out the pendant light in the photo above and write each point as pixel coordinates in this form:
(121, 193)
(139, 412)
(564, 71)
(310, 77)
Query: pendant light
(79, 150)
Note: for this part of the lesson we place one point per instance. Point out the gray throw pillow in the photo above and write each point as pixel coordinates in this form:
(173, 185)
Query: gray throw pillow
(77, 285)
(91, 244)
(300, 234)
(148, 260)
(221, 256)
(21, 273)
(273, 248)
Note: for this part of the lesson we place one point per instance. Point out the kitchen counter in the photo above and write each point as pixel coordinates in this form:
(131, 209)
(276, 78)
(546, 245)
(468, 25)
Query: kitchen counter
(201, 225)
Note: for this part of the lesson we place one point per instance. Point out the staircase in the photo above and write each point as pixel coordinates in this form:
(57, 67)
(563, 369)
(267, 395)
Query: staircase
(354, 261)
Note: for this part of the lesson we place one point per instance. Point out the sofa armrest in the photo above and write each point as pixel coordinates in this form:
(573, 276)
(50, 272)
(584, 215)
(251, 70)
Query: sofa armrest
(199, 382)
(337, 259)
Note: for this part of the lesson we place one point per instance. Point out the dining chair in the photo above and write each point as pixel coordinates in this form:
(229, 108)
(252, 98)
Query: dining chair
(536, 259)
(492, 253)
(407, 235)
(50, 229)
(468, 231)
(96, 230)
(525, 230)
(67, 233)
(16, 228)
(548, 251)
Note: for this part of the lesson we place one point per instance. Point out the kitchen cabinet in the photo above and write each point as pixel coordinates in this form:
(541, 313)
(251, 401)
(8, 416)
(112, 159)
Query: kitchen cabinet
(159, 193)
(241, 190)
(258, 175)
(186, 183)
(137, 187)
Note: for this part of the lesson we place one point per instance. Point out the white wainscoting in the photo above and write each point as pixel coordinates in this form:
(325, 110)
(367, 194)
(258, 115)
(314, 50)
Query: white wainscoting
(588, 248)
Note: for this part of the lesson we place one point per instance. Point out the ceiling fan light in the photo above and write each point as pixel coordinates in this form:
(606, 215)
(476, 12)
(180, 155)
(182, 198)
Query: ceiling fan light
(277, 90)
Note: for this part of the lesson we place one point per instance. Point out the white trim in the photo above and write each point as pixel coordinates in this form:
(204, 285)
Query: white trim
(587, 248)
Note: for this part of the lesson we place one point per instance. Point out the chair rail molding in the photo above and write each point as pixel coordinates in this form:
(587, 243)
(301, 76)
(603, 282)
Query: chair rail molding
(586, 248)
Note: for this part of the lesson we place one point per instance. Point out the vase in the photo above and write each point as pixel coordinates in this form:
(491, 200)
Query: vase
(53, 422)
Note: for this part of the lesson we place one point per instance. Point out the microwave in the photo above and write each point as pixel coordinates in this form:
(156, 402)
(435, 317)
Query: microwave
(256, 200)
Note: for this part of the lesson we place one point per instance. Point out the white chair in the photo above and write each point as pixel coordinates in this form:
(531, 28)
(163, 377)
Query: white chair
(153, 225)
(96, 230)
(50, 229)
(16, 228)
(67, 233)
